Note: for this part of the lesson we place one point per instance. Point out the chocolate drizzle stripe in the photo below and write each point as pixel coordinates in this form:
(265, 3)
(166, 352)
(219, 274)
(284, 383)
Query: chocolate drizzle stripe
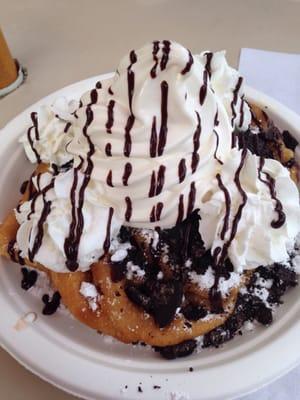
(71, 244)
(34, 127)
(128, 211)
(108, 149)
(180, 210)
(189, 64)
(153, 139)
(131, 118)
(127, 173)
(242, 111)
(106, 244)
(164, 118)
(109, 179)
(227, 206)
(110, 116)
(209, 56)
(192, 197)
(239, 212)
(196, 142)
(181, 170)
(203, 89)
(160, 179)
(67, 127)
(217, 146)
(235, 99)
(94, 97)
(110, 91)
(156, 212)
(98, 85)
(155, 58)
(270, 183)
(40, 225)
(165, 54)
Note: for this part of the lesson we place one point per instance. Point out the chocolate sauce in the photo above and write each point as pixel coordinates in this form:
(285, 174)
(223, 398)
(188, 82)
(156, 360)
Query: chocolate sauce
(29, 278)
(235, 99)
(156, 212)
(180, 210)
(209, 57)
(217, 146)
(67, 127)
(165, 54)
(14, 256)
(131, 118)
(98, 85)
(52, 305)
(127, 173)
(189, 64)
(110, 116)
(156, 185)
(196, 142)
(106, 243)
(108, 149)
(270, 183)
(34, 120)
(110, 91)
(71, 244)
(128, 211)
(23, 187)
(164, 118)
(40, 230)
(203, 89)
(109, 179)
(181, 170)
(192, 196)
(94, 97)
(242, 111)
(155, 58)
(216, 120)
(227, 205)
(153, 138)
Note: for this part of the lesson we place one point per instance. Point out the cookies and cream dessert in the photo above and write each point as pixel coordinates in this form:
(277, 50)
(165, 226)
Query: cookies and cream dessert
(164, 207)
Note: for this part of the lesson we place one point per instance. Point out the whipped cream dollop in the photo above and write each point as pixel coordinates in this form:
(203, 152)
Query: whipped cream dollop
(45, 234)
(253, 208)
(146, 145)
(51, 131)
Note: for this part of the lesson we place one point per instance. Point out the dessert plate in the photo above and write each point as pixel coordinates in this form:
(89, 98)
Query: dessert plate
(78, 360)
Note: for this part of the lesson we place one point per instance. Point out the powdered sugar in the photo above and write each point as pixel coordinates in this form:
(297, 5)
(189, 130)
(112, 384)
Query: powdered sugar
(90, 292)
(226, 285)
(205, 281)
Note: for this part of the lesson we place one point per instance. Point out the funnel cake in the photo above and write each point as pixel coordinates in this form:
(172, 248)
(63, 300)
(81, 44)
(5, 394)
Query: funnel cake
(158, 207)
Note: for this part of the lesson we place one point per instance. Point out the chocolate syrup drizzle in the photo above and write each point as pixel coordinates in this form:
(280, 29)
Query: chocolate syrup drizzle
(109, 179)
(110, 116)
(71, 244)
(189, 64)
(153, 139)
(131, 118)
(34, 127)
(155, 58)
(127, 173)
(156, 212)
(217, 146)
(203, 89)
(108, 149)
(181, 170)
(196, 141)
(220, 253)
(164, 118)
(106, 243)
(227, 206)
(180, 210)
(192, 197)
(270, 183)
(235, 99)
(128, 211)
(94, 97)
(165, 56)
(67, 127)
(156, 184)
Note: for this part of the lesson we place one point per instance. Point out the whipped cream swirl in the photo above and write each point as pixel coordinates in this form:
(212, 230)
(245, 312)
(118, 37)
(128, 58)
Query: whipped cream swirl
(147, 146)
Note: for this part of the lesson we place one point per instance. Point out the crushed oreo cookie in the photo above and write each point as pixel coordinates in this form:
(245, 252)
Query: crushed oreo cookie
(182, 349)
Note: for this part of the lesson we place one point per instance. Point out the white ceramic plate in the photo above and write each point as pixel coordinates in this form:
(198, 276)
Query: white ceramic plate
(78, 360)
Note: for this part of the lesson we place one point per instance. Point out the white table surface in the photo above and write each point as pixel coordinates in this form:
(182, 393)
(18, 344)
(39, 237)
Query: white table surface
(63, 41)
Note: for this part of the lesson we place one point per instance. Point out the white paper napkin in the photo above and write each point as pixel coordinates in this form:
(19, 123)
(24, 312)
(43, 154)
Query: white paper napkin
(278, 75)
